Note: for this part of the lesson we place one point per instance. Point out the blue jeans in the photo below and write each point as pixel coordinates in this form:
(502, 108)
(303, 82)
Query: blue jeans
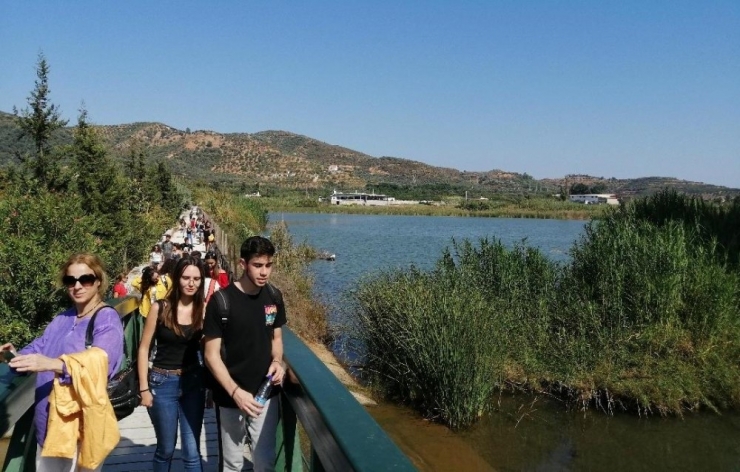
(177, 399)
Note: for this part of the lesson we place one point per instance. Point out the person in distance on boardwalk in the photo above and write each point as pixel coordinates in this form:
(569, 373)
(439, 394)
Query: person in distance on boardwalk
(177, 252)
(167, 246)
(85, 281)
(119, 288)
(156, 257)
(149, 287)
(253, 350)
(214, 270)
(172, 389)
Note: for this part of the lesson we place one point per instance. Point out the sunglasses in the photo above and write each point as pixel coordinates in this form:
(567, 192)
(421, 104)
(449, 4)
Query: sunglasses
(85, 280)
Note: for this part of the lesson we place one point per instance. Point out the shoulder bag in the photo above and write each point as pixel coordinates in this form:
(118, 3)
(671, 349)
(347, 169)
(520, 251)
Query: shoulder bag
(123, 388)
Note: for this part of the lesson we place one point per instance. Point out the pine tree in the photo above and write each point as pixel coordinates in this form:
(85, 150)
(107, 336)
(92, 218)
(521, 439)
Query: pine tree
(38, 123)
(96, 175)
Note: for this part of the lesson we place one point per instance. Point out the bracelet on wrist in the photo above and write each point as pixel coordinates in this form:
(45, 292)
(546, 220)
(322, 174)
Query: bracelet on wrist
(145, 390)
(235, 389)
(279, 362)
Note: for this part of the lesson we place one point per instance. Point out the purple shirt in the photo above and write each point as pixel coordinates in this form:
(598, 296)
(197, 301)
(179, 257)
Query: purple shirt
(62, 336)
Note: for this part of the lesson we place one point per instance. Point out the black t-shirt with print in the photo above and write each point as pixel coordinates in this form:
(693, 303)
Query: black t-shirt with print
(247, 336)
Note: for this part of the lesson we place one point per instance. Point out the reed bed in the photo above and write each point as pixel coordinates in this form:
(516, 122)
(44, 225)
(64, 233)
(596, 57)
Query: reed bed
(645, 317)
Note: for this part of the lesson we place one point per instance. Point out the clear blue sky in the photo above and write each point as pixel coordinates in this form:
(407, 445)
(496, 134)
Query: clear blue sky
(615, 89)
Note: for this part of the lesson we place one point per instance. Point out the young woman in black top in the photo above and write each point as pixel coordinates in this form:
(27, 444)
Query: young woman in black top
(172, 389)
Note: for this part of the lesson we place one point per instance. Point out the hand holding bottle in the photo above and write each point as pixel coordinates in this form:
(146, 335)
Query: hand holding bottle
(246, 402)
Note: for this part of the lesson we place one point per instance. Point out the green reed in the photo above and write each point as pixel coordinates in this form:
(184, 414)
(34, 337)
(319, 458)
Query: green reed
(645, 317)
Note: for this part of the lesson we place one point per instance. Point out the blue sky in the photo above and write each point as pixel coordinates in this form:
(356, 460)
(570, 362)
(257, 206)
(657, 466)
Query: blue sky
(614, 89)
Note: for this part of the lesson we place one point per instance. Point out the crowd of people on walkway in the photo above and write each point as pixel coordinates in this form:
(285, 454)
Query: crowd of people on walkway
(207, 340)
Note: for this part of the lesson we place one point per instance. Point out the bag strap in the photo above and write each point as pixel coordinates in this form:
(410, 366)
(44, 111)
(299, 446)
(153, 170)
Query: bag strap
(91, 327)
(222, 303)
(275, 294)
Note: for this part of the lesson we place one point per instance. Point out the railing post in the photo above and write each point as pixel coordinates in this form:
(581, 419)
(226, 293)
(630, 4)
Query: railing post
(288, 442)
(21, 455)
(316, 465)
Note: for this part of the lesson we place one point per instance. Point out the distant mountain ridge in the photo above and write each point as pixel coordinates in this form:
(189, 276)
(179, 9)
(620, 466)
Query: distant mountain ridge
(281, 159)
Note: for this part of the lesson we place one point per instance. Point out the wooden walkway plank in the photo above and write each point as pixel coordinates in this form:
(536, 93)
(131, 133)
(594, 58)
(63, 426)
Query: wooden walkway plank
(135, 450)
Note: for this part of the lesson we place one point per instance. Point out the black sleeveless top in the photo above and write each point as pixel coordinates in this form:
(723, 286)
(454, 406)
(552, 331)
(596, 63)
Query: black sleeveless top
(176, 352)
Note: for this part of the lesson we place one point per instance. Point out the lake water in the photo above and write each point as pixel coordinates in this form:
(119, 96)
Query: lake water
(364, 244)
(526, 432)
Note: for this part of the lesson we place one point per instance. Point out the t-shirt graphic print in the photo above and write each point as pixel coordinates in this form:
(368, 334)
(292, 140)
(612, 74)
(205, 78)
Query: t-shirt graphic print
(270, 314)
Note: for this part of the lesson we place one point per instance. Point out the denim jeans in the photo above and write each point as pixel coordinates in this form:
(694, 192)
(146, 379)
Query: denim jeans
(177, 399)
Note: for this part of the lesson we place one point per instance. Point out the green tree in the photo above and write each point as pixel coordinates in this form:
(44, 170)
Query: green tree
(104, 192)
(598, 188)
(579, 189)
(39, 122)
(38, 235)
(96, 176)
(137, 175)
(137, 165)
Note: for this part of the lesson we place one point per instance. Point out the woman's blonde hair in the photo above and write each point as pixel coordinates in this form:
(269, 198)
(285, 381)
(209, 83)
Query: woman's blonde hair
(93, 262)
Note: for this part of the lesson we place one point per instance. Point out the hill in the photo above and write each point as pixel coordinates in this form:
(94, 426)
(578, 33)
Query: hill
(281, 160)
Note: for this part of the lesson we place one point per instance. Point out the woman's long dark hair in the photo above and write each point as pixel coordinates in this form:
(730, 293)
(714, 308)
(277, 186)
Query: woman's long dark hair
(169, 314)
(146, 279)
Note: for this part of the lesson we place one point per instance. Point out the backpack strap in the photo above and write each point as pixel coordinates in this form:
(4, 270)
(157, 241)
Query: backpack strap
(275, 294)
(91, 327)
(222, 303)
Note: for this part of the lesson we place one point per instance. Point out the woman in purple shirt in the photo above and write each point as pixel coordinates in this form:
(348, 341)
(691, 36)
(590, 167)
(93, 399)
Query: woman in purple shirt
(85, 281)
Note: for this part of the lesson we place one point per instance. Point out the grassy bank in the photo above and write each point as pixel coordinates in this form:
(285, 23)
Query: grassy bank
(646, 318)
(506, 207)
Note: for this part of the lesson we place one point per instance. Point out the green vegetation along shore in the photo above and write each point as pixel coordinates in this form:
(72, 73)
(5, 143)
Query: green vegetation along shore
(645, 317)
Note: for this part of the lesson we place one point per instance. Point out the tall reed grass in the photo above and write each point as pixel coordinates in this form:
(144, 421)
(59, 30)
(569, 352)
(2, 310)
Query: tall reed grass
(645, 317)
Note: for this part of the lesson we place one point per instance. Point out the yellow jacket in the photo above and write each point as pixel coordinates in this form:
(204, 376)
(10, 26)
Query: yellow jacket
(156, 292)
(81, 411)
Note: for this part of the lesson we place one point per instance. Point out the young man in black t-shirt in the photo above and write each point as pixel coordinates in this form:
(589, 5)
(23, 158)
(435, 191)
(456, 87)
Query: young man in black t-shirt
(253, 340)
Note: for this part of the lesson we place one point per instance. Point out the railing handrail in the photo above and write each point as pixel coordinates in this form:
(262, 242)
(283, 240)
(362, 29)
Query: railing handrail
(16, 396)
(351, 439)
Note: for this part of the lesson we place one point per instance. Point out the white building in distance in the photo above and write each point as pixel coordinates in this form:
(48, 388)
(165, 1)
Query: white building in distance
(595, 199)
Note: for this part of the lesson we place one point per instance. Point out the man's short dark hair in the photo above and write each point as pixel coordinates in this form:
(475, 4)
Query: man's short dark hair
(256, 246)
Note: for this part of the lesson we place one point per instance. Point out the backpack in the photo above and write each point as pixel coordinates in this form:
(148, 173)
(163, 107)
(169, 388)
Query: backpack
(222, 304)
(123, 388)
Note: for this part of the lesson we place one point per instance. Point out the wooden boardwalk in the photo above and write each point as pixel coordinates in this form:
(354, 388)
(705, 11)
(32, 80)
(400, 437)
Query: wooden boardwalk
(135, 451)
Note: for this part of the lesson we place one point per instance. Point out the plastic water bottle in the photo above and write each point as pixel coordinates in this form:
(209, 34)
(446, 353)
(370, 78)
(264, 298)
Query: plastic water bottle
(264, 391)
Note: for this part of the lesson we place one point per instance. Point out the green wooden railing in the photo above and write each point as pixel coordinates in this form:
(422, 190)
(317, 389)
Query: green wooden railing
(341, 435)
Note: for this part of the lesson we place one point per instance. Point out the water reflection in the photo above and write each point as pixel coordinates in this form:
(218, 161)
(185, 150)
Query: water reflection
(542, 435)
